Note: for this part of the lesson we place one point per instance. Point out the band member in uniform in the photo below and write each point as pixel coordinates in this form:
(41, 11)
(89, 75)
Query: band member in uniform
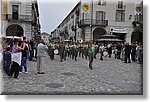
(61, 50)
(80, 49)
(86, 50)
(101, 50)
(49, 50)
(70, 50)
(83, 50)
(66, 51)
(91, 55)
(52, 51)
(95, 49)
(75, 51)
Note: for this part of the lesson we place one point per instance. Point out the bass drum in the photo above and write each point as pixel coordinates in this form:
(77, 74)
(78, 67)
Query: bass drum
(56, 52)
(105, 53)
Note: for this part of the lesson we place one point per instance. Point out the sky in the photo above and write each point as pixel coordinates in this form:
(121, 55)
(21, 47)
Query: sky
(52, 12)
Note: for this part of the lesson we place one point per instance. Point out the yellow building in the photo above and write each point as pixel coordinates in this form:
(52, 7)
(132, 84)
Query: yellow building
(3, 12)
(19, 18)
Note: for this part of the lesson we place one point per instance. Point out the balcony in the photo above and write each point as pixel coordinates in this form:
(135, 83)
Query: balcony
(138, 18)
(18, 18)
(120, 7)
(93, 22)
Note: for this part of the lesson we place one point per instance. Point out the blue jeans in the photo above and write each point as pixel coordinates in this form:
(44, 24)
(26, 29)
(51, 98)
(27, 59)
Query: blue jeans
(31, 55)
(14, 70)
(24, 63)
(7, 67)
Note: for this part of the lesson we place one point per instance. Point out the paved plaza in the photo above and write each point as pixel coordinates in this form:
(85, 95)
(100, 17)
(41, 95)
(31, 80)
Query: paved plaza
(110, 76)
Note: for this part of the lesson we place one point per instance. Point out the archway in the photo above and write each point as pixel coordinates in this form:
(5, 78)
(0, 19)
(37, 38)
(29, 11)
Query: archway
(14, 30)
(137, 36)
(97, 32)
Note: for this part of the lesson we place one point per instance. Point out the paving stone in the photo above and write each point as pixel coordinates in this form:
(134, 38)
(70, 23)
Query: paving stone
(110, 76)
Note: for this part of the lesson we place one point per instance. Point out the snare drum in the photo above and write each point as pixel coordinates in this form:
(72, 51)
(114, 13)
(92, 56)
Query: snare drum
(56, 51)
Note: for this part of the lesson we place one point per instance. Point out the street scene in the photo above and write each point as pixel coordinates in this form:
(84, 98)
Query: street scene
(110, 76)
(93, 47)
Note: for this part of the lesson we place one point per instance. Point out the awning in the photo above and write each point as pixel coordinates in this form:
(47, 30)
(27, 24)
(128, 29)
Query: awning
(12, 37)
(119, 30)
(109, 40)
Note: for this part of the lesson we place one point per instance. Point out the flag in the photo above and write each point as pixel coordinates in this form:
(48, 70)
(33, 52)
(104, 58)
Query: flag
(138, 8)
(86, 9)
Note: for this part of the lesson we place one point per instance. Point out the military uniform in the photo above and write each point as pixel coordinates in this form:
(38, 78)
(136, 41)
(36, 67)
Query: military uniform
(80, 49)
(91, 56)
(61, 51)
(52, 51)
(66, 51)
(75, 52)
(51, 48)
(95, 50)
(86, 51)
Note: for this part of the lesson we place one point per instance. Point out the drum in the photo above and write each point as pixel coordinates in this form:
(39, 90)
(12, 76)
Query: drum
(105, 53)
(56, 51)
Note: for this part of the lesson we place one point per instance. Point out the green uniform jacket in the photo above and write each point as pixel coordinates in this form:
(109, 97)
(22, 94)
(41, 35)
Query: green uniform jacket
(91, 52)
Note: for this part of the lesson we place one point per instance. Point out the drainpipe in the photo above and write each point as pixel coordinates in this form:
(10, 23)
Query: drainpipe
(91, 19)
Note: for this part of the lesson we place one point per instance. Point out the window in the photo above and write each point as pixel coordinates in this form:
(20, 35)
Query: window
(120, 17)
(72, 17)
(15, 10)
(120, 4)
(101, 2)
(100, 15)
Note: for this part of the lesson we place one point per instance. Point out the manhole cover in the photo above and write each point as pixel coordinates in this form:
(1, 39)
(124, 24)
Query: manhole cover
(68, 74)
(54, 85)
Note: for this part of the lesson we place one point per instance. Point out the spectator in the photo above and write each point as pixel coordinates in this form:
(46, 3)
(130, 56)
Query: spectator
(127, 53)
(24, 56)
(7, 60)
(41, 54)
(16, 58)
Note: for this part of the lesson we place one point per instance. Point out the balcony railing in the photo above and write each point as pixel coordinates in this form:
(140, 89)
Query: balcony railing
(120, 8)
(93, 22)
(138, 18)
(22, 18)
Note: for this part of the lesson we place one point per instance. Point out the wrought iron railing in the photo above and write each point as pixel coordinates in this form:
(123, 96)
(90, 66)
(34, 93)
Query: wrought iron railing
(120, 8)
(88, 22)
(25, 18)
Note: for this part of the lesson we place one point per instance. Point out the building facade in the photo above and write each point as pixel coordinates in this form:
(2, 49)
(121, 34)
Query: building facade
(19, 17)
(92, 18)
(45, 37)
(137, 34)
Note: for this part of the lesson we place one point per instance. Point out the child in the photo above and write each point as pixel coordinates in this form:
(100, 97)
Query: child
(7, 60)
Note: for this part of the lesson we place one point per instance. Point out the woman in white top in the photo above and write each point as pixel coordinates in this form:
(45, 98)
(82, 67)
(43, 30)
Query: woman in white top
(16, 58)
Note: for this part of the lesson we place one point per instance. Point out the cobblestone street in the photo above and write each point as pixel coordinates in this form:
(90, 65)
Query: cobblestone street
(110, 76)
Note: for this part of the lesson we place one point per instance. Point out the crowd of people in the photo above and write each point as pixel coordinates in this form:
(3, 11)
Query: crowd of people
(17, 52)
(125, 52)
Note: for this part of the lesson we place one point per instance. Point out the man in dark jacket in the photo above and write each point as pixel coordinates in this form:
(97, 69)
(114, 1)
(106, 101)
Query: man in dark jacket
(119, 48)
(127, 52)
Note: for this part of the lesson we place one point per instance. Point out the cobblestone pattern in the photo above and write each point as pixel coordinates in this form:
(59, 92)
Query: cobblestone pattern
(110, 76)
